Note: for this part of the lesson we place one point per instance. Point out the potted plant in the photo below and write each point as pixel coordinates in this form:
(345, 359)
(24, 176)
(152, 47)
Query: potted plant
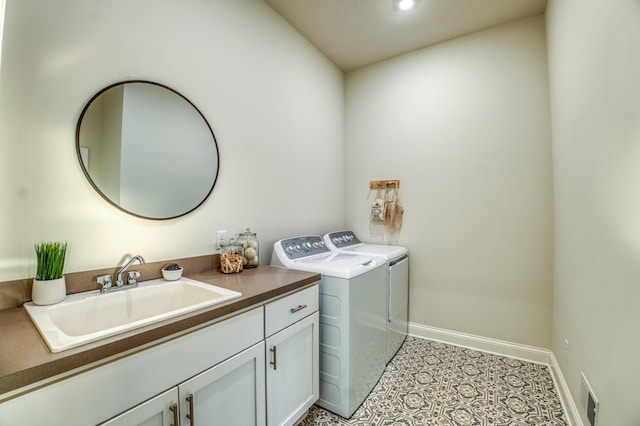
(49, 285)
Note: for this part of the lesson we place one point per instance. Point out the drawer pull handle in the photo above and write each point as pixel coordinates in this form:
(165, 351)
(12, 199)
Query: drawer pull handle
(174, 412)
(274, 362)
(190, 415)
(298, 308)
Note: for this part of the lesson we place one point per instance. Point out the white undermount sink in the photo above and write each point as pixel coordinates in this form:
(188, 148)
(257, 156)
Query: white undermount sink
(86, 317)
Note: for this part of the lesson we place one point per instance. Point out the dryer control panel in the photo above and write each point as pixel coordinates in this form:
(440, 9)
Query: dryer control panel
(298, 247)
(343, 239)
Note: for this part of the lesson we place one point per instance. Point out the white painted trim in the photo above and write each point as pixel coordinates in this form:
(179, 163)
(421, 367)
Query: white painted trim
(485, 344)
(568, 403)
(504, 348)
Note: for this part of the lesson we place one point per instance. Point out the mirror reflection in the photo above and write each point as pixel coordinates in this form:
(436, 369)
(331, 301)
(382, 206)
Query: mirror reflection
(147, 149)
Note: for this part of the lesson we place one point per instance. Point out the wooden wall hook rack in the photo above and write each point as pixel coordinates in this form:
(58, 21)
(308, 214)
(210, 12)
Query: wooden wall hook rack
(379, 184)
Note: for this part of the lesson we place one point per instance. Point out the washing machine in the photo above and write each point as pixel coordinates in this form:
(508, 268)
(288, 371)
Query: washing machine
(397, 287)
(353, 312)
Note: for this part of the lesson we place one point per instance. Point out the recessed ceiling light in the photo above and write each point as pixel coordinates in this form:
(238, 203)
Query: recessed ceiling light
(405, 4)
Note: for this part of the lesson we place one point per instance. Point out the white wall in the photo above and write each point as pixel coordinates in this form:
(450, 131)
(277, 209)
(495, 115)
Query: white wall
(465, 126)
(594, 69)
(275, 105)
(9, 188)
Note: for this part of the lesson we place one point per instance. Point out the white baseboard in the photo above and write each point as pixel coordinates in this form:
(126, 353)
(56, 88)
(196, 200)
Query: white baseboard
(504, 348)
(568, 403)
(485, 344)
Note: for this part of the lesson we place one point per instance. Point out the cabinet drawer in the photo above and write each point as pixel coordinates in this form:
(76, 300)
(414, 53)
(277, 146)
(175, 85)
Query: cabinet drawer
(283, 312)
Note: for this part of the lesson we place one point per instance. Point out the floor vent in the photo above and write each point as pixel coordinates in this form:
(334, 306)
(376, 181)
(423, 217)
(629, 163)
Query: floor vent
(588, 400)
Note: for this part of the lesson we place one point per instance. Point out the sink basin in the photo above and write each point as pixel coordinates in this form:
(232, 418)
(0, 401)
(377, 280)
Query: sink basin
(86, 317)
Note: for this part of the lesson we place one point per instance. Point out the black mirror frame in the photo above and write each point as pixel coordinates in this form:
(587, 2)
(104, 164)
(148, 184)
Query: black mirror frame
(99, 191)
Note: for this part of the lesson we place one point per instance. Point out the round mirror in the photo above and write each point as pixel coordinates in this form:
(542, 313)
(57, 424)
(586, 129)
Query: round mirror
(147, 149)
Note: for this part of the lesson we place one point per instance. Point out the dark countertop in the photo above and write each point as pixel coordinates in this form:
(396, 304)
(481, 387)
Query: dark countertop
(25, 358)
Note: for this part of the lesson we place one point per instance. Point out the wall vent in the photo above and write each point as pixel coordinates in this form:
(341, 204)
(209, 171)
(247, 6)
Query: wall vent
(588, 400)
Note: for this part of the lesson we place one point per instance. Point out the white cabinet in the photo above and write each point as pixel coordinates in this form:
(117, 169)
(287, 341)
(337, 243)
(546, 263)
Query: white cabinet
(292, 372)
(218, 374)
(101, 393)
(161, 410)
(292, 356)
(231, 393)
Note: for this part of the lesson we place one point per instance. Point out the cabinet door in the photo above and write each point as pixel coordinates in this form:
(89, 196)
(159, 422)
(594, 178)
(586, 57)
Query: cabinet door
(161, 410)
(230, 393)
(292, 371)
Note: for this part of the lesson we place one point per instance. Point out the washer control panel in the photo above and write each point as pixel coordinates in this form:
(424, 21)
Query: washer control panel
(343, 239)
(298, 247)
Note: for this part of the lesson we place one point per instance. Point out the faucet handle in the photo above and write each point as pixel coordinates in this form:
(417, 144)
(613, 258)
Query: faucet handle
(132, 277)
(105, 282)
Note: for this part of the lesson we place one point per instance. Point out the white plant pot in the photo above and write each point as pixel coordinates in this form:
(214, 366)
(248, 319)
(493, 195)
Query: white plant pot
(172, 274)
(48, 292)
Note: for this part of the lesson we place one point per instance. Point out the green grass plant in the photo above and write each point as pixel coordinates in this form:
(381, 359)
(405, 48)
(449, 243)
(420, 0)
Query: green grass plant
(50, 260)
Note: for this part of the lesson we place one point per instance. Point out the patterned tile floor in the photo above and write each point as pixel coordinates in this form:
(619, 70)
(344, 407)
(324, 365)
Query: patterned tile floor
(432, 383)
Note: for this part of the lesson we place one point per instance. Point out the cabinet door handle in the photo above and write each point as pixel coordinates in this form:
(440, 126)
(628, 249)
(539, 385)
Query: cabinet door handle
(274, 362)
(174, 412)
(190, 415)
(298, 308)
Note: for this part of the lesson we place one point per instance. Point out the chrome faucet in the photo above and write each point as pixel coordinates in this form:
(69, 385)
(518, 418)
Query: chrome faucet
(132, 277)
(106, 285)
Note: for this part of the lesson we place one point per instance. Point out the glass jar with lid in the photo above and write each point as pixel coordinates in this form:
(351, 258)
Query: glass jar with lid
(250, 245)
(231, 257)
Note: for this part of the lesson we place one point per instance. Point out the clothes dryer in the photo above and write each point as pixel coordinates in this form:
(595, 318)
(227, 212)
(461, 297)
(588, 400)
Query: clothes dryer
(397, 266)
(352, 318)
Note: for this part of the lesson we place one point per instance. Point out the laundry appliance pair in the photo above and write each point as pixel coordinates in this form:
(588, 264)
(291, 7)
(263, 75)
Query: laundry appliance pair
(363, 310)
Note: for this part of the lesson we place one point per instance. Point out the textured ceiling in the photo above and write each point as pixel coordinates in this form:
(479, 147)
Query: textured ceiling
(355, 33)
